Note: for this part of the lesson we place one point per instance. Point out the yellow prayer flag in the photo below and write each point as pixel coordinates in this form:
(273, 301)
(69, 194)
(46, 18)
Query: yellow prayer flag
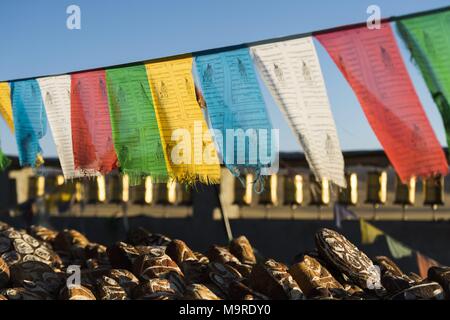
(5, 105)
(369, 232)
(188, 147)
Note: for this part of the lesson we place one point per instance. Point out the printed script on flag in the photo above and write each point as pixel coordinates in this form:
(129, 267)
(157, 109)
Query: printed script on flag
(5, 105)
(176, 108)
(370, 61)
(93, 146)
(56, 96)
(291, 71)
(428, 38)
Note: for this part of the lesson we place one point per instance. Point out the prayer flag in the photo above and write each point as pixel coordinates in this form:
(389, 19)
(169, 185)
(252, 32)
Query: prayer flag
(397, 249)
(237, 111)
(424, 263)
(369, 233)
(30, 120)
(5, 105)
(370, 61)
(93, 146)
(134, 126)
(428, 39)
(188, 147)
(56, 96)
(291, 71)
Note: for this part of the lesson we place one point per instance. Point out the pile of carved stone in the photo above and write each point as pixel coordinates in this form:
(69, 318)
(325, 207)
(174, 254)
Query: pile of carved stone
(46, 264)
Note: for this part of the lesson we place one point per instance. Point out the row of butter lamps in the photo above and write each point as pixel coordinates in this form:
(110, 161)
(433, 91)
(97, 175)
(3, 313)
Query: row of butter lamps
(320, 193)
(117, 190)
(113, 189)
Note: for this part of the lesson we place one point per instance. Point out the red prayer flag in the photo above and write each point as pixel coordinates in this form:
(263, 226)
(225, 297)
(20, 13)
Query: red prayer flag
(424, 263)
(92, 140)
(371, 62)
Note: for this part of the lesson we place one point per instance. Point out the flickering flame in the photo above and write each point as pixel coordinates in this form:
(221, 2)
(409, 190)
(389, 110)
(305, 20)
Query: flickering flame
(298, 181)
(248, 189)
(148, 190)
(273, 189)
(101, 188)
(325, 191)
(78, 192)
(412, 189)
(40, 186)
(171, 191)
(383, 187)
(60, 180)
(353, 188)
(125, 188)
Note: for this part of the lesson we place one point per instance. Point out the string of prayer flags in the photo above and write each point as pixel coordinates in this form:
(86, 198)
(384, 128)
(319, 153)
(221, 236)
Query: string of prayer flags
(424, 263)
(93, 146)
(5, 105)
(137, 117)
(397, 250)
(427, 37)
(370, 61)
(30, 120)
(369, 233)
(134, 126)
(236, 109)
(188, 147)
(56, 96)
(292, 73)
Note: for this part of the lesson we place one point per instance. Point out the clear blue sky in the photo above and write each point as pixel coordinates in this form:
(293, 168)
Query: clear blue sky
(35, 41)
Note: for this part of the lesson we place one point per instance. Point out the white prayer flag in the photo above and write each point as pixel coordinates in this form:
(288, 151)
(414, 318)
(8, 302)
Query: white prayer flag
(55, 93)
(292, 72)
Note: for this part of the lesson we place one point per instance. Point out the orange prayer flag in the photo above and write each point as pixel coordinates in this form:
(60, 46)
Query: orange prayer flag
(424, 263)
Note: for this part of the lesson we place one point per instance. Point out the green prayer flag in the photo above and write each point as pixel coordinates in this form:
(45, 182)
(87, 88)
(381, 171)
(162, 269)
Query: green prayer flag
(397, 249)
(4, 161)
(134, 126)
(428, 39)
